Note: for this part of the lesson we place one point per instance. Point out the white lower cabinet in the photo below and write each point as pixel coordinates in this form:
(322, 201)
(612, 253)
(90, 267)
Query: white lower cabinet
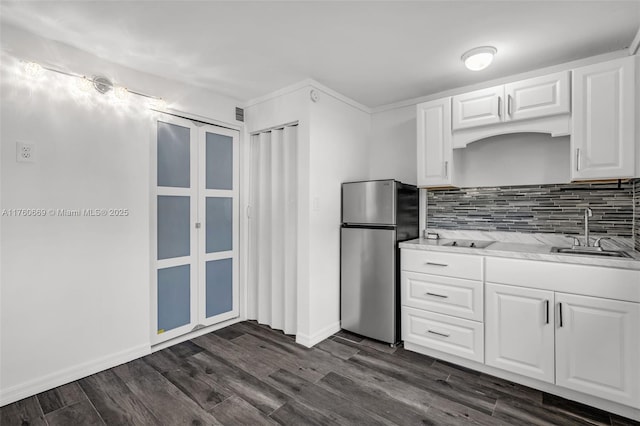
(441, 298)
(598, 347)
(551, 325)
(583, 343)
(519, 330)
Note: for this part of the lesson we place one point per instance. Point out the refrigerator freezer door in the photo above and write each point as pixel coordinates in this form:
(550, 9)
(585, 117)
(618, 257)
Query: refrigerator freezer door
(371, 202)
(368, 305)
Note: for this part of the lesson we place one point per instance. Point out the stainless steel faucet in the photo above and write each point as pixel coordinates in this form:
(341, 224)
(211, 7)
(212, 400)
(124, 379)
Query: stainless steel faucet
(587, 214)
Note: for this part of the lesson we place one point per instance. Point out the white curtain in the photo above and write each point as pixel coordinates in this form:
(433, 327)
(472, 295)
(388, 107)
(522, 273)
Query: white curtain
(272, 295)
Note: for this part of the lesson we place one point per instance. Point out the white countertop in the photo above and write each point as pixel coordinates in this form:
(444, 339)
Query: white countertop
(534, 248)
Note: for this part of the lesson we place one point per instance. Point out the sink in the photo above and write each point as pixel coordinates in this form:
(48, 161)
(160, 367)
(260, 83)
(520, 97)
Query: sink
(590, 252)
(468, 243)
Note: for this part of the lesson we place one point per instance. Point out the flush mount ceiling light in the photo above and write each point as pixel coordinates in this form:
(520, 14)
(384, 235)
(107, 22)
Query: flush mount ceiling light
(479, 58)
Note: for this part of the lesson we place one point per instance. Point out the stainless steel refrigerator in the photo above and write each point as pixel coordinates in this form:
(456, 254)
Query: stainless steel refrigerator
(376, 216)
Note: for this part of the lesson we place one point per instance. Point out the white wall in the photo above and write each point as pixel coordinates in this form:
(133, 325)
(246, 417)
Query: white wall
(339, 153)
(516, 159)
(75, 290)
(393, 145)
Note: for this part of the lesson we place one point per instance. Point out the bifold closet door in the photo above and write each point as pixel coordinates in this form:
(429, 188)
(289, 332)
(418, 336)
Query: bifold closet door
(273, 259)
(218, 202)
(196, 205)
(175, 278)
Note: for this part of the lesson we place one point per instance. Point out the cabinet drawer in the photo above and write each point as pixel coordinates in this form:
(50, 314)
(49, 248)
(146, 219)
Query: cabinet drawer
(444, 333)
(446, 264)
(444, 295)
(597, 281)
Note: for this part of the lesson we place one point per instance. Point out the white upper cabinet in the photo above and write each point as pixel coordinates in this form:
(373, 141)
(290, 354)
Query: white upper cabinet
(478, 108)
(603, 134)
(598, 347)
(595, 104)
(435, 151)
(523, 100)
(538, 97)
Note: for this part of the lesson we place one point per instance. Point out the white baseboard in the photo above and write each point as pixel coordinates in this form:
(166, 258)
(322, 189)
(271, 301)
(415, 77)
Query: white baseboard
(318, 336)
(193, 334)
(76, 372)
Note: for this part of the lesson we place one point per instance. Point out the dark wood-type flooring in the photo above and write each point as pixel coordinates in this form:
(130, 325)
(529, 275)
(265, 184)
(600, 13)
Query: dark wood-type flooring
(248, 374)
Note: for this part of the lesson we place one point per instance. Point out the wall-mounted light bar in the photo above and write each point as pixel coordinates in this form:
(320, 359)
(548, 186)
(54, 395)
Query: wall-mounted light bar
(100, 84)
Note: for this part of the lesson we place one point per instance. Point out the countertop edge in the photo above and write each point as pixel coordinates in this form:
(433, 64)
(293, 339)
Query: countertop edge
(537, 252)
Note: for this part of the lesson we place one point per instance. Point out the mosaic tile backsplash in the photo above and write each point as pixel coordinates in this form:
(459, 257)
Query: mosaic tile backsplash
(636, 214)
(539, 208)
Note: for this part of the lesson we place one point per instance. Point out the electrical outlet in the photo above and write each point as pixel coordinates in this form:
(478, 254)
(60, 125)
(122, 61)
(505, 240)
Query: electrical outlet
(25, 152)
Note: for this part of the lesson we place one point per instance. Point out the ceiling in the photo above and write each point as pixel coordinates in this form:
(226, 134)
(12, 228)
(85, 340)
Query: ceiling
(375, 52)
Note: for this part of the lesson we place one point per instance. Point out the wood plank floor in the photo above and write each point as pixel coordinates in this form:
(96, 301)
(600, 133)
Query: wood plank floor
(248, 374)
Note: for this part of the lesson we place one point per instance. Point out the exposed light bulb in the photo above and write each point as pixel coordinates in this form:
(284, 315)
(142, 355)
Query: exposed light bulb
(32, 69)
(158, 103)
(121, 93)
(84, 84)
(479, 58)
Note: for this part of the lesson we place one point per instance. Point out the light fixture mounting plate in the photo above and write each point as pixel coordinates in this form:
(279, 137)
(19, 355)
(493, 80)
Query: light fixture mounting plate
(102, 84)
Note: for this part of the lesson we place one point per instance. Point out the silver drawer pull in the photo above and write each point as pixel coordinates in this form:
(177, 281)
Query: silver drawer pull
(435, 264)
(438, 334)
(436, 295)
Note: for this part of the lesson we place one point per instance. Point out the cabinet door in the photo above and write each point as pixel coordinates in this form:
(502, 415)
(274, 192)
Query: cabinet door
(537, 97)
(519, 330)
(435, 151)
(598, 347)
(603, 134)
(478, 108)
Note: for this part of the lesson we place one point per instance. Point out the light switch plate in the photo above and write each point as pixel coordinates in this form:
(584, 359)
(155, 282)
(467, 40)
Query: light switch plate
(25, 152)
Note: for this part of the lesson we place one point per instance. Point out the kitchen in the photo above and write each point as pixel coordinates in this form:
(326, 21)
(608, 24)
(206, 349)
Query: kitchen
(76, 291)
